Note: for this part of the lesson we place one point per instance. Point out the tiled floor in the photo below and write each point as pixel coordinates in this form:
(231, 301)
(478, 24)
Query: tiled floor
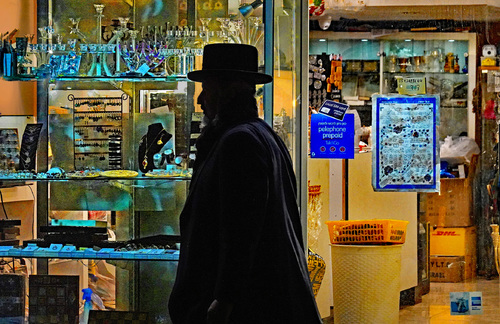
(435, 306)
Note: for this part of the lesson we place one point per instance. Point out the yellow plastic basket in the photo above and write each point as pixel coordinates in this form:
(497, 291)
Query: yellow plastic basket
(373, 231)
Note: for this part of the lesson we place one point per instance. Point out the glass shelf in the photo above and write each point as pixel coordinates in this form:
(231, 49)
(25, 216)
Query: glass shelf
(360, 73)
(141, 255)
(102, 179)
(442, 73)
(100, 79)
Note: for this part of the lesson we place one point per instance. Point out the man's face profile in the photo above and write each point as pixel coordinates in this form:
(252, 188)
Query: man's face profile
(207, 99)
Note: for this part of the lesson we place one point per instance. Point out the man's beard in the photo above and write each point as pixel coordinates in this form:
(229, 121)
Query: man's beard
(205, 122)
(208, 122)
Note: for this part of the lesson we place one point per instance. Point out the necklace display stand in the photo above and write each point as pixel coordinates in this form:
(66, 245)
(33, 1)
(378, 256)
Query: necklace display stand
(150, 144)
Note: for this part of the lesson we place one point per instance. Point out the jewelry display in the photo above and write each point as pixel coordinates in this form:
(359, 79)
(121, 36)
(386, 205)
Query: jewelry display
(97, 131)
(29, 146)
(150, 144)
(9, 149)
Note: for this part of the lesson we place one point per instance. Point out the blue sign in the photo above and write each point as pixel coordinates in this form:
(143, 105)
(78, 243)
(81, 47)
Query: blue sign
(331, 138)
(333, 109)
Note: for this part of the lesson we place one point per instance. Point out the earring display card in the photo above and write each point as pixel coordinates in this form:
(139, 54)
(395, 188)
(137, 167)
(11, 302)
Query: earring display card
(9, 148)
(29, 146)
(118, 317)
(97, 124)
(12, 298)
(53, 299)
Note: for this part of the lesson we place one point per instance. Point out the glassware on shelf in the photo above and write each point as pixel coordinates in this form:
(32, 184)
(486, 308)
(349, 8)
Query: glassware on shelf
(99, 51)
(256, 29)
(205, 32)
(436, 60)
(151, 50)
(426, 59)
(392, 63)
(76, 30)
(99, 8)
(224, 26)
(24, 64)
(236, 30)
(244, 31)
(404, 64)
(142, 58)
(418, 63)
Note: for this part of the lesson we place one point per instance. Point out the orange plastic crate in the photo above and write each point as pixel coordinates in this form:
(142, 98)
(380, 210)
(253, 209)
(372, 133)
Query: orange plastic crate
(373, 231)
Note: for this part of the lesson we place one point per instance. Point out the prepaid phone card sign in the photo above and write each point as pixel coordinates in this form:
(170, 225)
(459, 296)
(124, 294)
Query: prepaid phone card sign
(332, 138)
(466, 303)
(333, 109)
(405, 136)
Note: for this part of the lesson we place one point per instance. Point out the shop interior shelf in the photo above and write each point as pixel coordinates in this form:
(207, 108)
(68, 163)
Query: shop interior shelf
(57, 251)
(99, 79)
(6, 181)
(446, 73)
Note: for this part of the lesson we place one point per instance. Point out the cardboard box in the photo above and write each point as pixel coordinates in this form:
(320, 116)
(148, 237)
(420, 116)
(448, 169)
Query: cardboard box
(459, 241)
(452, 206)
(470, 266)
(452, 268)
(447, 268)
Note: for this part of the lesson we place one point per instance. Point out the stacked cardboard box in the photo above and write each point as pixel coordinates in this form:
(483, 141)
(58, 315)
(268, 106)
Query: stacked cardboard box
(453, 236)
(452, 245)
(447, 268)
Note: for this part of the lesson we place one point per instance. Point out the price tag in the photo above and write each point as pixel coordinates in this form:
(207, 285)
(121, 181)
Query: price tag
(411, 86)
(143, 69)
(55, 247)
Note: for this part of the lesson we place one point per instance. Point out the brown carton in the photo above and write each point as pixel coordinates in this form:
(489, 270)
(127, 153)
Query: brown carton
(453, 241)
(447, 268)
(452, 206)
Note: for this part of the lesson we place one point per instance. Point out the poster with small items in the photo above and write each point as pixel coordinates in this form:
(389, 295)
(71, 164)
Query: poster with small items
(9, 149)
(405, 154)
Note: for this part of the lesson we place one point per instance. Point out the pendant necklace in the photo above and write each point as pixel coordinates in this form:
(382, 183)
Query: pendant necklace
(159, 142)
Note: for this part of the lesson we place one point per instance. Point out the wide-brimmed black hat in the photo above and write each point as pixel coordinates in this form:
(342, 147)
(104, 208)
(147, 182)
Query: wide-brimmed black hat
(230, 61)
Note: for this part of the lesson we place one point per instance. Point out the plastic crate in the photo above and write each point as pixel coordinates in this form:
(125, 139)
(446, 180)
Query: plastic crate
(374, 231)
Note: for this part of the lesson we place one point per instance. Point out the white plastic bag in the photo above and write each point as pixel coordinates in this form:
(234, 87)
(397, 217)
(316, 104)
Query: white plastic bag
(458, 150)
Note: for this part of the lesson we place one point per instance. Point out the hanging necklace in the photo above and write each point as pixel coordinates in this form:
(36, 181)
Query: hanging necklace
(159, 142)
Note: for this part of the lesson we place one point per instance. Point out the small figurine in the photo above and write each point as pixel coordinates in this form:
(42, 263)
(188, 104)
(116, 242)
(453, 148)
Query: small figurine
(448, 63)
(456, 67)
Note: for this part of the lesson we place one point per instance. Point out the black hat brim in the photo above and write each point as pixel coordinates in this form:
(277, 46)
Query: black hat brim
(253, 77)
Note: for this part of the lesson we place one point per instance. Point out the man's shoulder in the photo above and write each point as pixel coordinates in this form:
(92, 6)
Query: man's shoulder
(249, 131)
(254, 126)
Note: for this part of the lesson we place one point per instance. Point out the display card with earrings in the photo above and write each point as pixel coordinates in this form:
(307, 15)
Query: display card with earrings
(9, 148)
(97, 128)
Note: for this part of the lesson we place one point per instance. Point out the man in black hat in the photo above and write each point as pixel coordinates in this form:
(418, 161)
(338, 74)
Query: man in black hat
(242, 258)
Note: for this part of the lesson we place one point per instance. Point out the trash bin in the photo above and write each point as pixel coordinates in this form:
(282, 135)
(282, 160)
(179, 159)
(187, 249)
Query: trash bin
(366, 283)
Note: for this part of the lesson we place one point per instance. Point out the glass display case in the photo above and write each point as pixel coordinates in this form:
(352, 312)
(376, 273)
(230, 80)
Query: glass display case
(107, 75)
(374, 63)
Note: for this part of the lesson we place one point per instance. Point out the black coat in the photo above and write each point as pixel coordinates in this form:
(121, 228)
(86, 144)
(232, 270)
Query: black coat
(241, 235)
